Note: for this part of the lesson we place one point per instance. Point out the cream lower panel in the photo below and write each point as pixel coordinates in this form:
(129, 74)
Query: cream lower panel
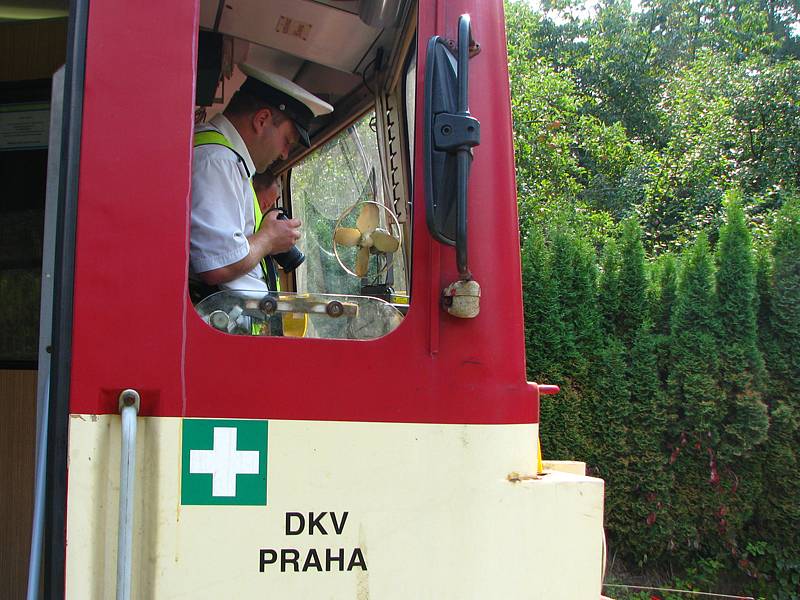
(430, 507)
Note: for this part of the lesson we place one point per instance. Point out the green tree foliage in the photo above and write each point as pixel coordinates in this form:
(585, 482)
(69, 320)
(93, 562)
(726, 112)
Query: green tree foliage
(745, 423)
(617, 71)
(785, 304)
(643, 524)
(695, 358)
(664, 289)
(664, 401)
(608, 414)
(573, 264)
(644, 535)
(655, 112)
(695, 399)
(609, 292)
(544, 329)
(574, 272)
(609, 397)
(632, 283)
(561, 329)
(741, 364)
(764, 271)
(546, 108)
(668, 308)
(543, 102)
(777, 520)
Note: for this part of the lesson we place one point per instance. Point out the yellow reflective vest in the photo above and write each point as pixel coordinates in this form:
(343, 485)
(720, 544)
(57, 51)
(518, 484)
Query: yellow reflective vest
(205, 138)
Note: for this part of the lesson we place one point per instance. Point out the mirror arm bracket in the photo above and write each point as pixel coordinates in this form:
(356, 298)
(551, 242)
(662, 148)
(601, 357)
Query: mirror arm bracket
(454, 132)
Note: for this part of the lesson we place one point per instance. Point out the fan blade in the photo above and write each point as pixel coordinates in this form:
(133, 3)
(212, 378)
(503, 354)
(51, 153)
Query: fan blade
(368, 218)
(362, 262)
(385, 242)
(346, 236)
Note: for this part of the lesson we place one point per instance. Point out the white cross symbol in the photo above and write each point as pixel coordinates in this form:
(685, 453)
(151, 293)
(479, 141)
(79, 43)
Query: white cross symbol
(224, 462)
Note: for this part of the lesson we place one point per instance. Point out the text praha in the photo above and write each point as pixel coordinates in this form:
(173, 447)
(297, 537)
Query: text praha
(313, 559)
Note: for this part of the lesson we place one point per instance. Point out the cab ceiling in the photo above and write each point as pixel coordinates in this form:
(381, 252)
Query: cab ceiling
(293, 32)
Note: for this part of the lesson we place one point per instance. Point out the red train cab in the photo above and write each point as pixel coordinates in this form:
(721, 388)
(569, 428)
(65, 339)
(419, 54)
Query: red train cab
(365, 431)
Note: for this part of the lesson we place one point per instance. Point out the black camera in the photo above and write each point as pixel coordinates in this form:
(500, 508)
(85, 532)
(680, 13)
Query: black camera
(292, 258)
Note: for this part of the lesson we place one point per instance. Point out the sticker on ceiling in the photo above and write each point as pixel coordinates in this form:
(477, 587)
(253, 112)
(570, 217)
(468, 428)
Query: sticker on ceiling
(293, 27)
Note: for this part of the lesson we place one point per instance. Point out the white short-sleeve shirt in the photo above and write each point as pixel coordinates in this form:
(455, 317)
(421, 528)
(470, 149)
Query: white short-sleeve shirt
(222, 207)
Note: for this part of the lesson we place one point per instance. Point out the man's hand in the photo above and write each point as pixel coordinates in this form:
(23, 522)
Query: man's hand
(273, 237)
(279, 234)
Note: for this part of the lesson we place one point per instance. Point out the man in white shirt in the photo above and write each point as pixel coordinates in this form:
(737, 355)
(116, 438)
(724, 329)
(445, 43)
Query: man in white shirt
(261, 123)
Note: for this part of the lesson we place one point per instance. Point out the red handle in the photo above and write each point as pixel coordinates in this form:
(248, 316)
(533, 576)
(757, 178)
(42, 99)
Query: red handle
(549, 389)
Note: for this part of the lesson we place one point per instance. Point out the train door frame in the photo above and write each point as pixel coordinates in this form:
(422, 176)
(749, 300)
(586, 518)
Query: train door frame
(55, 345)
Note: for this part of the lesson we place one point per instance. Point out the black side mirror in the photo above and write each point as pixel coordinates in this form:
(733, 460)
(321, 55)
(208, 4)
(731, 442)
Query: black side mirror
(450, 134)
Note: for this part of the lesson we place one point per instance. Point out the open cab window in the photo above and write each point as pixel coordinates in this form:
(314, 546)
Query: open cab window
(352, 238)
(351, 188)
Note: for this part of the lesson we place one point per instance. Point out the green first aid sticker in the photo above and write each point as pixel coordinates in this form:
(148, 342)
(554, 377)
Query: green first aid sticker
(224, 462)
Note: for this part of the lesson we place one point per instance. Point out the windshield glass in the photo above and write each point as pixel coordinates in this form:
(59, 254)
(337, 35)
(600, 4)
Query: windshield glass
(351, 237)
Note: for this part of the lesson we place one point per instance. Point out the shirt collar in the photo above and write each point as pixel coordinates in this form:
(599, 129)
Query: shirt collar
(226, 128)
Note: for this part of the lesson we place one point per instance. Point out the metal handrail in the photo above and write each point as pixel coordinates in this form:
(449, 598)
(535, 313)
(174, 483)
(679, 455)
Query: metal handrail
(464, 154)
(129, 403)
(37, 526)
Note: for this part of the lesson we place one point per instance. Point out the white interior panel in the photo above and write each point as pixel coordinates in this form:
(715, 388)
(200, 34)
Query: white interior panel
(311, 31)
(348, 5)
(322, 80)
(274, 61)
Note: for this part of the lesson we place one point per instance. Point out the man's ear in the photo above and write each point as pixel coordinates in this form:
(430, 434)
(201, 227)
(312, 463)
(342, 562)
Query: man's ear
(261, 118)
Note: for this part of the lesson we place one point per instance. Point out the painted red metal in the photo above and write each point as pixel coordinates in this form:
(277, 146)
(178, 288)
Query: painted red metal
(134, 325)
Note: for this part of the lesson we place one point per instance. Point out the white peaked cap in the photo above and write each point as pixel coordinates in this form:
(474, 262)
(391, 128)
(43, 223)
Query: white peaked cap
(299, 104)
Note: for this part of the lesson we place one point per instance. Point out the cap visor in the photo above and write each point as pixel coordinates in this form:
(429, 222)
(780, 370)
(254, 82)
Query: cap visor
(304, 139)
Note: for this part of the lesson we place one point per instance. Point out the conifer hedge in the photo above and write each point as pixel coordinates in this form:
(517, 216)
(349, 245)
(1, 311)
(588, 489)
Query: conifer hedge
(681, 388)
